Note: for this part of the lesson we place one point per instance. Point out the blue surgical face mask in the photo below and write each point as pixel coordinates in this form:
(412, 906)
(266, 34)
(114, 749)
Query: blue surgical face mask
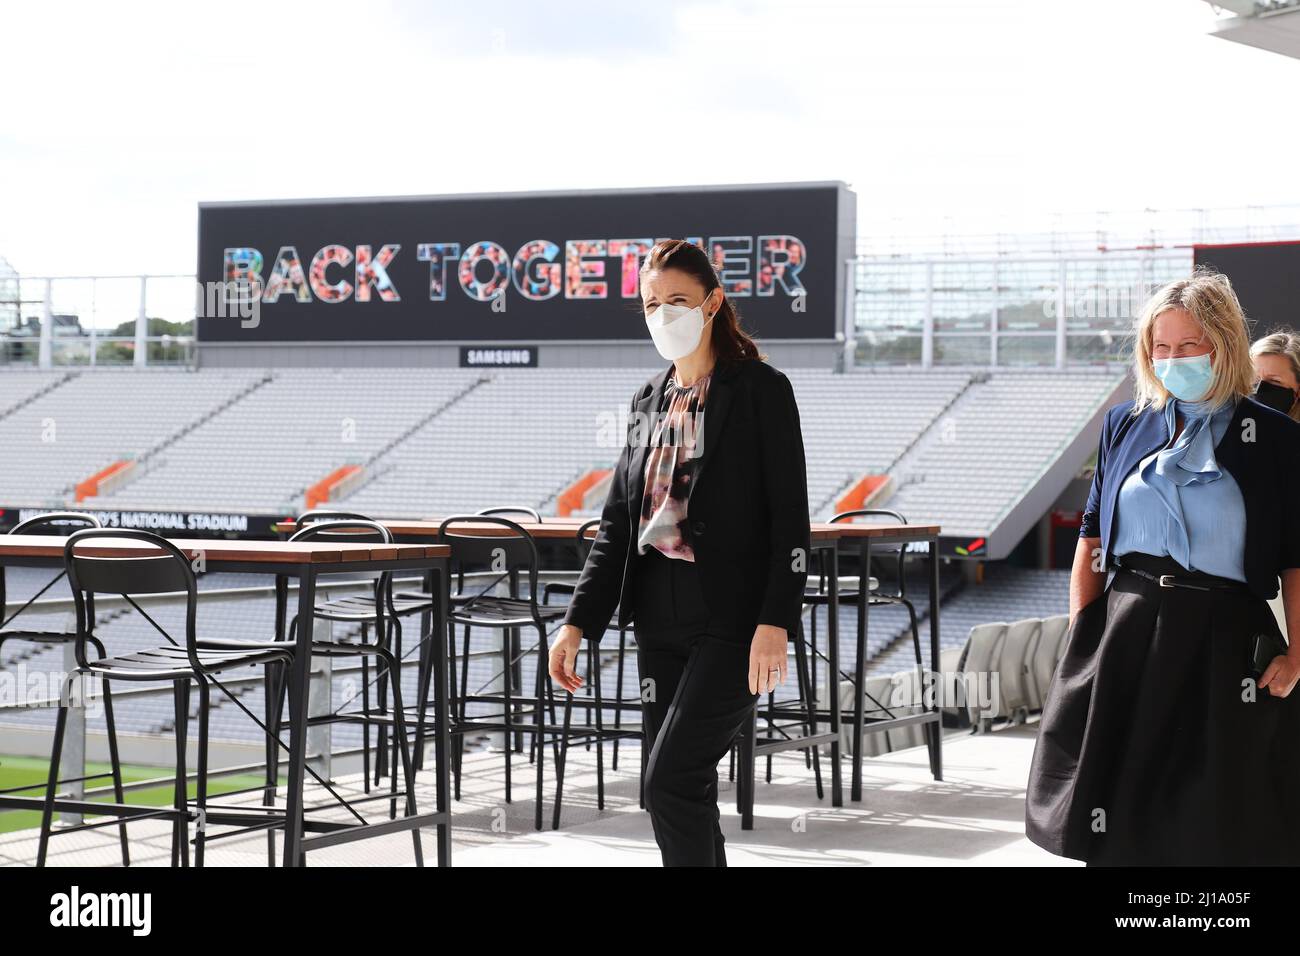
(1188, 378)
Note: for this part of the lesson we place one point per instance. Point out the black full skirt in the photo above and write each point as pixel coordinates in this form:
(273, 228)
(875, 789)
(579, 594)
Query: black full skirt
(1151, 750)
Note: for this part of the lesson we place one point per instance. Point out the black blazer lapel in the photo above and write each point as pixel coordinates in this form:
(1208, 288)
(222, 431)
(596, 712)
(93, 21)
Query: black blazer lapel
(1232, 454)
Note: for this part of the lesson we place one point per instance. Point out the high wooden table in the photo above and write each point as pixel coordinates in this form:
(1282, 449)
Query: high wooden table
(830, 540)
(305, 561)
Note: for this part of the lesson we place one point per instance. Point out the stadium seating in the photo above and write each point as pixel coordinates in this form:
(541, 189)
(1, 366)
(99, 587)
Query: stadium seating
(1012, 668)
(87, 421)
(522, 437)
(862, 423)
(993, 444)
(1043, 658)
(20, 386)
(262, 453)
(1021, 657)
(436, 441)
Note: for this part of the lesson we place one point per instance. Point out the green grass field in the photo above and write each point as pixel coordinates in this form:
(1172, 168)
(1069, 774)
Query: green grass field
(23, 771)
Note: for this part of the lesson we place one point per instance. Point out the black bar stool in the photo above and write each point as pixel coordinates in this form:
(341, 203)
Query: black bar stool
(369, 609)
(460, 595)
(194, 662)
(799, 711)
(377, 609)
(510, 555)
(593, 701)
(818, 596)
(61, 523)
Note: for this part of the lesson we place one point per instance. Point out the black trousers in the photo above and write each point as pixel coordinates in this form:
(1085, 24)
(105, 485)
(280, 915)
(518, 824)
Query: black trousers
(696, 699)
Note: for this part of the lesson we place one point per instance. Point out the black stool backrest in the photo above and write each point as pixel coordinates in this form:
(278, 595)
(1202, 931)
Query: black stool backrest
(344, 531)
(352, 531)
(584, 541)
(530, 513)
(510, 550)
(50, 523)
(317, 515)
(89, 574)
(902, 548)
(867, 512)
(56, 522)
(870, 513)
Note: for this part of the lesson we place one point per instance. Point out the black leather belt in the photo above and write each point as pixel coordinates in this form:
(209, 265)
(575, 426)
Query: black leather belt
(1198, 582)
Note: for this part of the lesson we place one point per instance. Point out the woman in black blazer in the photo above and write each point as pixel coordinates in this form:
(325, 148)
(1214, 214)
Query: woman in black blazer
(703, 543)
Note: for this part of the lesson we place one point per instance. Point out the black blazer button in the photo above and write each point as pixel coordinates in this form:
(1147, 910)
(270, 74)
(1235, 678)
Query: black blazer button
(698, 527)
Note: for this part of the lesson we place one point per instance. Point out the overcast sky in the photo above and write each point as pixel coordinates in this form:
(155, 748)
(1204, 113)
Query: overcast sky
(119, 118)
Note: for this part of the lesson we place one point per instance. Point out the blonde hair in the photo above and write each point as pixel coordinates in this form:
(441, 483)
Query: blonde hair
(1285, 343)
(1208, 297)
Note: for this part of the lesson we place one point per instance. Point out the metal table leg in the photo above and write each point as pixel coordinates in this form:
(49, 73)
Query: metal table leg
(935, 737)
(860, 667)
(441, 713)
(300, 670)
(833, 667)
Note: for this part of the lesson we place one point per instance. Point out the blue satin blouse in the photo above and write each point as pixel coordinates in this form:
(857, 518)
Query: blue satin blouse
(1180, 503)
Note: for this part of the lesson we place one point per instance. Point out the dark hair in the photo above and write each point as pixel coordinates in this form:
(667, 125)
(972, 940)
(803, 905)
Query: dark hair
(730, 342)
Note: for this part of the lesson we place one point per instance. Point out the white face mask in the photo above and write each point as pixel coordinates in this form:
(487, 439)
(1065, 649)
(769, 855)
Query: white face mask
(676, 330)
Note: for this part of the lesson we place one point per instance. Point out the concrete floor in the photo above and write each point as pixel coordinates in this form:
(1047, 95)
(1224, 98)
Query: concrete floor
(975, 816)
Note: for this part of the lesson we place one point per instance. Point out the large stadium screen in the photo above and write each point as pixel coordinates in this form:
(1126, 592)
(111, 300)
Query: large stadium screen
(516, 267)
(1266, 276)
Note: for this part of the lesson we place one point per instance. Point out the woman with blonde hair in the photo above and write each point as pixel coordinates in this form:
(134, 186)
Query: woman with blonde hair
(1276, 358)
(1170, 733)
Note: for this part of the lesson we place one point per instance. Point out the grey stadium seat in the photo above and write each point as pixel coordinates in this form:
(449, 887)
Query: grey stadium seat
(1013, 667)
(1044, 658)
(983, 650)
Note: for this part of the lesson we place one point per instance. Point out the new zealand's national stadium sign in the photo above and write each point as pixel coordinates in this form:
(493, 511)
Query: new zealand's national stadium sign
(521, 267)
(198, 524)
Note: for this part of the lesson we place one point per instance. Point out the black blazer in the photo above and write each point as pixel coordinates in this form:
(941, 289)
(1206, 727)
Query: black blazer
(747, 508)
(1260, 449)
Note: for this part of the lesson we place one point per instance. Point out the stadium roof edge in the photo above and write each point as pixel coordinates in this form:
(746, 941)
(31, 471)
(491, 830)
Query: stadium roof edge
(521, 194)
(1274, 28)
